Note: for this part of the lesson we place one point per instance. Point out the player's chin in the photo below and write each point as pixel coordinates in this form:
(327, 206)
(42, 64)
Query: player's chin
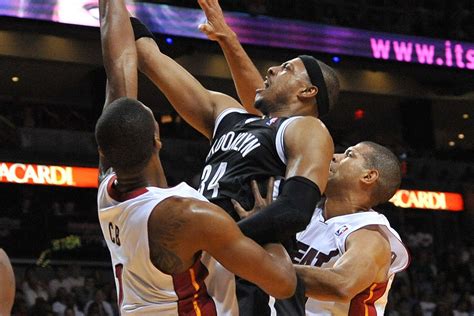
(260, 103)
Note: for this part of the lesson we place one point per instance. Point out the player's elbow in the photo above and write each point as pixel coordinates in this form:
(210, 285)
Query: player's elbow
(286, 287)
(148, 52)
(344, 293)
(303, 217)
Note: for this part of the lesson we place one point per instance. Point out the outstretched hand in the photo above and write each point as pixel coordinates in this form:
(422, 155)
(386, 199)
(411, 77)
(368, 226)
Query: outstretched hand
(260, 202)
(215, 28)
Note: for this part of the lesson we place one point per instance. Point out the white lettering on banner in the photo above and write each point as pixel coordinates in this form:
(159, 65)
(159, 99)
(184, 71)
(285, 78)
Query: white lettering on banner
(21, 173)
(420, 199)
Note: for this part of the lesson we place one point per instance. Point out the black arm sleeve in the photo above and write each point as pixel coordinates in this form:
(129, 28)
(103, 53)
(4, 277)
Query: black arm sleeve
(140, 30)
(289, 214)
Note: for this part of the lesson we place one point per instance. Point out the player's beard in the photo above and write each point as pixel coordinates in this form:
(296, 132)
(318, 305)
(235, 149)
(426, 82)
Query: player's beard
(268, 105)
(262, 105)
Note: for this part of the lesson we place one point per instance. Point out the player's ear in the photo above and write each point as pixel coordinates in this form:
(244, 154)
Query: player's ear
(157, 142)
(307, 93)
(370, 176)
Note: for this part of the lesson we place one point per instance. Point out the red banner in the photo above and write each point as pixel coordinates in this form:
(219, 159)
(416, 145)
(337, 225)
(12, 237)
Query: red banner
(445, 201)
(49, 175)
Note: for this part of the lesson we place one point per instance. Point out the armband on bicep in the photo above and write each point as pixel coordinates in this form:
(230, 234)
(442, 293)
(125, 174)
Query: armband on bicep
(140, 30)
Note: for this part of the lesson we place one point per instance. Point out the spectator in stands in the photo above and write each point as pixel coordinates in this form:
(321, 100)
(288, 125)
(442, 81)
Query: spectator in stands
(443, 309)
(64, 301)
(100, 300)
(33, 288)
(111, 296)
(59, 303)
(427, 304)
(95, 310)
(69, 311)
(70, 303)
(464, 306)
(75, 279)
(86, 293)
(59, 281)
(41, 308)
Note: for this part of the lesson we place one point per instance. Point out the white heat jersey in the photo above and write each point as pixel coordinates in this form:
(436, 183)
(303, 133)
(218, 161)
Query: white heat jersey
(322, 243)
(206, 288)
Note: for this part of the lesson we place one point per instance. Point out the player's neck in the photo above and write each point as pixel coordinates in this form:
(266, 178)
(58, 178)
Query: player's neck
(151, 176)
(337, 206)
(294, 109)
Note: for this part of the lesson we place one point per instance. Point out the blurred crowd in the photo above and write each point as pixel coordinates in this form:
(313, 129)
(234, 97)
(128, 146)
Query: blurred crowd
(439, 282)
(68, 292)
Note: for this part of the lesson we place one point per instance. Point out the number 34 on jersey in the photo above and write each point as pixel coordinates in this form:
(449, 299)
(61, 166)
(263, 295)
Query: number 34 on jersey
(213, 184)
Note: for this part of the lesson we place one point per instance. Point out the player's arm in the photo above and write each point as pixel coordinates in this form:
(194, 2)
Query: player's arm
(119, 52)
(119, 56)
(216, 232)
(7, 284)
(246, 76)
(197, 105)
(309, 149)
(367, 257)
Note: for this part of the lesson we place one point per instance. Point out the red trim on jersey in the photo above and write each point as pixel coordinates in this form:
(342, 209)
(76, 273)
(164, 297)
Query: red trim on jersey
(363, 304)
(122, 197)
(193, 299)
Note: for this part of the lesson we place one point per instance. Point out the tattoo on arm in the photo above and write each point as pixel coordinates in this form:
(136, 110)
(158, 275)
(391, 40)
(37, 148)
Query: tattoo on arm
(163, 241)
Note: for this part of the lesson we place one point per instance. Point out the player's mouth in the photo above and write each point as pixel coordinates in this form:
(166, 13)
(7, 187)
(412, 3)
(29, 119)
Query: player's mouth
(266, 84)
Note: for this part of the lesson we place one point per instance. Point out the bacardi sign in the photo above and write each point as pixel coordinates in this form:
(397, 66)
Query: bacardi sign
(48, 175)
(446, 201)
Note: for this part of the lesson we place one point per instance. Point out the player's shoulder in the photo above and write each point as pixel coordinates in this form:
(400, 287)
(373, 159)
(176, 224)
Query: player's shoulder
(370, 236)
(192, 217)
(308, 129)
(308, 122)
(187, 209)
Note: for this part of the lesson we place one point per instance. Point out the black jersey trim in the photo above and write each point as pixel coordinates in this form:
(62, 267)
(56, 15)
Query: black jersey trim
(223, 114)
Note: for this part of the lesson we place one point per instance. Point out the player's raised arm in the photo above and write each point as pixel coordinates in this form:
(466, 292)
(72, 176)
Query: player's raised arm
(246, 76)
(197, 105)
(309, 149)
(119, 53)
(365, 262)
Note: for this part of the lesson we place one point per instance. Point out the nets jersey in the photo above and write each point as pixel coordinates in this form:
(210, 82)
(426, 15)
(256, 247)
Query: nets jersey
(244, 147)
(322, 243)
(206, 288)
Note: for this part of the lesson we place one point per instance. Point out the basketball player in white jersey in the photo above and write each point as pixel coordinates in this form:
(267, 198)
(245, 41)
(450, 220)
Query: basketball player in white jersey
(161, 239)
(7, 284)
(348, 255)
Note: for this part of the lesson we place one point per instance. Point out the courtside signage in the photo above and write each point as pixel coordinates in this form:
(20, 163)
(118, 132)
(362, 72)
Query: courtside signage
(263, 31)
(11, 172)
(445, 201)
